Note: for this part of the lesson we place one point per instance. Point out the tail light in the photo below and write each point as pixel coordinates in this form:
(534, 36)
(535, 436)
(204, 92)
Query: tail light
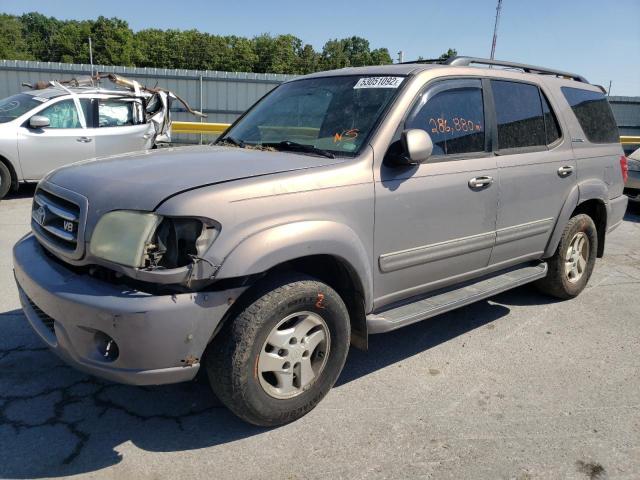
(624, 166)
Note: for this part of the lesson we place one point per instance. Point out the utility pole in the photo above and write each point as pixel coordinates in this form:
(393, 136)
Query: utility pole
(400, 56)
(91, 58)
(495, 29)
(609, 90)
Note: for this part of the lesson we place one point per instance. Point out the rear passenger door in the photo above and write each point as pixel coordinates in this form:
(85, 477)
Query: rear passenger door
(536, 170)
(121, 127)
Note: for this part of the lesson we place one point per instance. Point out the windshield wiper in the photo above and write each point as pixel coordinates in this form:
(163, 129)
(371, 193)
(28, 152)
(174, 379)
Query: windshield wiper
(299, 147)
(232, 141)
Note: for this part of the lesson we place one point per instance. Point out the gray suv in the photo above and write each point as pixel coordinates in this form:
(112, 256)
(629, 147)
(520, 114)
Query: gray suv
(342, 204)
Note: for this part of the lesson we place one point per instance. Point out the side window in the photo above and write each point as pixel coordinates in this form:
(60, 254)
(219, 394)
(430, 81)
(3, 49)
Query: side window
(62, 115)
(452, 113)
(550, 122)
(594, 114)
(518, 114)
(114, 113)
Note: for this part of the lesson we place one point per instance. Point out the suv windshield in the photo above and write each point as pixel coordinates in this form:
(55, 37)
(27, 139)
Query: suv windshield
(318, 115)
(16, 105)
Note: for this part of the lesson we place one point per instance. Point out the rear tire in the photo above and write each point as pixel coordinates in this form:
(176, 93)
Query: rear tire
(571, 266)
(5, 180)
(282, 352)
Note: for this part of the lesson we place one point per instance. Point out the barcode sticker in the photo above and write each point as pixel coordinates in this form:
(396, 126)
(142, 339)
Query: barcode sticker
(379, 82)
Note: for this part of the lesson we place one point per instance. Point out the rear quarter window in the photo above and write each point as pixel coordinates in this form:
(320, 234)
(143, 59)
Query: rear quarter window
(593, 113)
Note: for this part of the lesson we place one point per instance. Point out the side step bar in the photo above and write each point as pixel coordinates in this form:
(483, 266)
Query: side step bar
(444, 301)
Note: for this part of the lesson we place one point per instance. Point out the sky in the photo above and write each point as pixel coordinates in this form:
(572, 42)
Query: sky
(597, 39)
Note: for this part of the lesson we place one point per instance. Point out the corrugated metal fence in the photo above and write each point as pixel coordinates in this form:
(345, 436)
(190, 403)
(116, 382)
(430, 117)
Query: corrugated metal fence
(221, 95)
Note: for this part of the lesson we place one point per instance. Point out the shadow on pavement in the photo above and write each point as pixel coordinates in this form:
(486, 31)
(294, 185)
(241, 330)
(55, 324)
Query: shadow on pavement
(26, 190)
(56, 421)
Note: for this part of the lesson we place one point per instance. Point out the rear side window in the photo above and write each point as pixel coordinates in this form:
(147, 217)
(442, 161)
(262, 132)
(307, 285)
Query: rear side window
(550, 122)
(519, 115)
(594, 114)
(452, 113)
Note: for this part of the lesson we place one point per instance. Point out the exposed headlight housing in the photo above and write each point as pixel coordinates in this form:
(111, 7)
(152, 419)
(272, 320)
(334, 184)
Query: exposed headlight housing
(149, 241)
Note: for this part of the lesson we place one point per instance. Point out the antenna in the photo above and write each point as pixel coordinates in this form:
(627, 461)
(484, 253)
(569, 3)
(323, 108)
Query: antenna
(495, 30)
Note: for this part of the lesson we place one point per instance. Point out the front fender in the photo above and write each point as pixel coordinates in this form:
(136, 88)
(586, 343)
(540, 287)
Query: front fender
(268, 248)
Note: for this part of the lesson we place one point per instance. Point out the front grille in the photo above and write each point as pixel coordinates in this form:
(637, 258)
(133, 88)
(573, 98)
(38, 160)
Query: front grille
(57, 219)
(46, 320)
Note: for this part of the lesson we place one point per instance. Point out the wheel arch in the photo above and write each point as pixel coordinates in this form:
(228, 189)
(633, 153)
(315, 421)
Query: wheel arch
(590, 198)
(329, 251)
(12, 171)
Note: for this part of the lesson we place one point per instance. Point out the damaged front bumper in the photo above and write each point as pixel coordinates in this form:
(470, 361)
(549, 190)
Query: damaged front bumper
(112, 331)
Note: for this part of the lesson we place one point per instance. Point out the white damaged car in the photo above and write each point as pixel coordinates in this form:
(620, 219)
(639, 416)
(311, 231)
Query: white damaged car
(57, 123)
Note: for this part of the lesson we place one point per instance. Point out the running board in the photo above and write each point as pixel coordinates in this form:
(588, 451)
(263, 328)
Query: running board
(443, 301)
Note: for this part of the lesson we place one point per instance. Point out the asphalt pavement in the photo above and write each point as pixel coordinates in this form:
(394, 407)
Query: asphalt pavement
(518, 387)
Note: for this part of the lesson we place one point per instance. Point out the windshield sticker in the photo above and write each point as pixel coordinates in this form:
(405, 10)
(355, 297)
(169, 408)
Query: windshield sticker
(41, 99)
(346, 136)
(7, 107)
(379, 82)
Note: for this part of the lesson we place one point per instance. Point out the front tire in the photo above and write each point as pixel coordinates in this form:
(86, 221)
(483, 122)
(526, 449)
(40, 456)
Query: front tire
(278, 357)
(5, 180)
(571, 266)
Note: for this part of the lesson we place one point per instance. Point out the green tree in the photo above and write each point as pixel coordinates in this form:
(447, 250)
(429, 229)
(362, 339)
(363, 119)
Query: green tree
(13, 45)
(36, 36)
(452, 52)
(39, 31)
(112, 42)
(70, 42)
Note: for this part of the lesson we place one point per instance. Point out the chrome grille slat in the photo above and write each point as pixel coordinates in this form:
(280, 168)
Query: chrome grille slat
(66, 236)
(55, 208)
(57, 220)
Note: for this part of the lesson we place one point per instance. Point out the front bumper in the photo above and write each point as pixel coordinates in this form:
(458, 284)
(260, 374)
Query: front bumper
(160, 338)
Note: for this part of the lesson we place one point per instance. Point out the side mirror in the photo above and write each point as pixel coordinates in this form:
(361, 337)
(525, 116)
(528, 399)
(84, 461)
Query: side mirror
(38, 121)
(417, 146)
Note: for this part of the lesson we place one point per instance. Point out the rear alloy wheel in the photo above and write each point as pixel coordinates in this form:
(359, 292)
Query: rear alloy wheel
(282, 351)
(571, 266)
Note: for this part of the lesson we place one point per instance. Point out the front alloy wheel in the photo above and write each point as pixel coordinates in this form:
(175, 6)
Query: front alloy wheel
(294, 355)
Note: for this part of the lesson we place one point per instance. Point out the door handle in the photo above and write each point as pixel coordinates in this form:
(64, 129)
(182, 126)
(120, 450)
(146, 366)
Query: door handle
(565, 171)
(84, 139)
(480, 182)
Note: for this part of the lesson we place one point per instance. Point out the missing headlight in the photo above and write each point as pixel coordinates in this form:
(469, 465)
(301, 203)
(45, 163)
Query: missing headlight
(179, 242)
(174, 243)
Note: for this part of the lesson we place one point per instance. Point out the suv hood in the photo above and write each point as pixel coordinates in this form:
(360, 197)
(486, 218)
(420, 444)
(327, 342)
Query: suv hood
(142, 180)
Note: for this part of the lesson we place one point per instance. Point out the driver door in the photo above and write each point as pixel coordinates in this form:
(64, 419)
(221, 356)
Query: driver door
(66, 140)
(435, 222)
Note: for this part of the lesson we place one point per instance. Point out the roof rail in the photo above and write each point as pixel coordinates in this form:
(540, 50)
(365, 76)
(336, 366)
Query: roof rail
(466, 61)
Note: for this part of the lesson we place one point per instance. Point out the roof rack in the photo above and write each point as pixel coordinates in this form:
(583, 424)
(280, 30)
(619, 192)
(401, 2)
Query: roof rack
(466, 61)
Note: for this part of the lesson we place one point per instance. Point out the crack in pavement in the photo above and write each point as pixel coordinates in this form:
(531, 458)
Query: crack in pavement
(97, 393)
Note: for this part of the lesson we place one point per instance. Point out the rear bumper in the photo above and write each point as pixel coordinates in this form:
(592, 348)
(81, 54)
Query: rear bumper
(618, 207)
(160, 338)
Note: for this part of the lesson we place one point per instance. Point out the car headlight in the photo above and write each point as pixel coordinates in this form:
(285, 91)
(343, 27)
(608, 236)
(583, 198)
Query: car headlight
(148, 240)
(633, 165)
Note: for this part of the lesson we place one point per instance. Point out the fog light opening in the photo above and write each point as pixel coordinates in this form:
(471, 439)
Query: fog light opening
(107, 347)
